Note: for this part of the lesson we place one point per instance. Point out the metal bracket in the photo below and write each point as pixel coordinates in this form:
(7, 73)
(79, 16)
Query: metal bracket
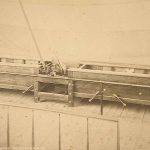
(120, 100)
(93, 97)
(28, 89)
(97, 93)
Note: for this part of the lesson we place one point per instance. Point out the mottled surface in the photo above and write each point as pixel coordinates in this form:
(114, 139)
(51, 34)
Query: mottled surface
(87, 29)
(134, 124)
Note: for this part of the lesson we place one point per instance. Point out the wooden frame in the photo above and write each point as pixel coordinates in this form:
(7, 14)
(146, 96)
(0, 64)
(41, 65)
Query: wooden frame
(15, 74)
(46, 95)
(81, 82)
(132, 87)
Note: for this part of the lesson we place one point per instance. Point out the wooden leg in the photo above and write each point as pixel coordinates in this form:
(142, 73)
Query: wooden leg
(36, 89)
(101, 104)
(70, 93)
(102, 96)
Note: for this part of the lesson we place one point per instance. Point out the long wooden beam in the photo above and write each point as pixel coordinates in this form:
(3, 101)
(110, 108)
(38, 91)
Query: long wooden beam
(52, 96)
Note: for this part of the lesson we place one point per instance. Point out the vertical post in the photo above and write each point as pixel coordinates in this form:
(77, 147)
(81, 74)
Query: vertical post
(87, 134)
(101, 100)
(118, 135)
(59, 133)
(33, 142)
(36, 89)
(70, 93)
(8, 133)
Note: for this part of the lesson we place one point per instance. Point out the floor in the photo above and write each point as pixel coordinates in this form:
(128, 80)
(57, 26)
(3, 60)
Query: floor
(134, 119)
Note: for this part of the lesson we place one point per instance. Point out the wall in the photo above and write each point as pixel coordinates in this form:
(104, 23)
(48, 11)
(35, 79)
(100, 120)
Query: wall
(87, 29)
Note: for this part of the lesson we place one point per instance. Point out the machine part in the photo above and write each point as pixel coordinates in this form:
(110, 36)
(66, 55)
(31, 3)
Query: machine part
(51, 69)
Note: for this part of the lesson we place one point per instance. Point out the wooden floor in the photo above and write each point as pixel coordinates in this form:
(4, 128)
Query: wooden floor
(134, 119)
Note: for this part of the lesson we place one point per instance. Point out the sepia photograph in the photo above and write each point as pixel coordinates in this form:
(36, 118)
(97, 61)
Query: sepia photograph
(74, 74)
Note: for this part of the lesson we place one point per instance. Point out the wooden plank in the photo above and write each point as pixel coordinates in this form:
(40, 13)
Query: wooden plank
(102, 135)
(86, 95)
(117, 64)
(110, 76)
(46, 130)
(110, 98)
(18, 68)
(9, 86)
(20, 127)
(52, 96)
(3, 126)
(56, 80)
(137, 101)
(73, 132)
(86, 87)
(16, 79)
(127, 91)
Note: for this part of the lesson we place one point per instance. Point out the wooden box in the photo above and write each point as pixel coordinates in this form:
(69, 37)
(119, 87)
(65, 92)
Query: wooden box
(131, 87)
(17, 76)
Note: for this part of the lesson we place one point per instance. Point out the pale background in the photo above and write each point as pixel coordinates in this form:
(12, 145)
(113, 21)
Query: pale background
(77, 29)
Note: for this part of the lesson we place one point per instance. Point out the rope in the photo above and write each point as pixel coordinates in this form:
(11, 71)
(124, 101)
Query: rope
(32, 34)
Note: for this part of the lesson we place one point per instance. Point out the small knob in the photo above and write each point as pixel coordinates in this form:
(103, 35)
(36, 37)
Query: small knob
(140, 93)
(104, 90)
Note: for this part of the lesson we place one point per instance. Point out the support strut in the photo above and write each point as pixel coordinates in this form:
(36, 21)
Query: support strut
(120, 100)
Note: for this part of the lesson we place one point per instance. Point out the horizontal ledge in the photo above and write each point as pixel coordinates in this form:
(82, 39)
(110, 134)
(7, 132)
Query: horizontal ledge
(116, 64)
(20, 74)
(18, 65)
(65, 80)
(109, 72)
(111, 98)
(112, 83)
(15, 87)
(56, 80)
(52, 96)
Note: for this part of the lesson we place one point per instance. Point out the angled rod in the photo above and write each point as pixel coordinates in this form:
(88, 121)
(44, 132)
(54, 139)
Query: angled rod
(30, 29)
